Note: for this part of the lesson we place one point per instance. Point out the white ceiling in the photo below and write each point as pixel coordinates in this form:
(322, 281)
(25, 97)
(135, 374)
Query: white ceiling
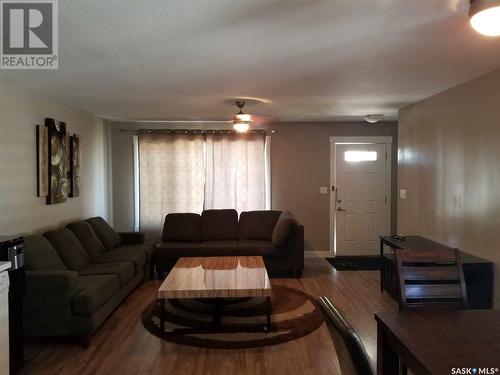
(313, 59)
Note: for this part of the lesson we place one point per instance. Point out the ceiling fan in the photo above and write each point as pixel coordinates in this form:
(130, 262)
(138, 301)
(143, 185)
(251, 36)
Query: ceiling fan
(241, 121)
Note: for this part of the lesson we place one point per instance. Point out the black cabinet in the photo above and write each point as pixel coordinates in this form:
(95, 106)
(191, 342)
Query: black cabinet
(478, 272)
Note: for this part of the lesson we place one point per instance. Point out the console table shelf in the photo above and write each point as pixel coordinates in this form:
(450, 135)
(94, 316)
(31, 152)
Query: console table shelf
(478, 272)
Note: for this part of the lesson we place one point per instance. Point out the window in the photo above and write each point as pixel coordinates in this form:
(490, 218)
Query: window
(171, 177)
(235, 172)
(357, 156)
(189, 173)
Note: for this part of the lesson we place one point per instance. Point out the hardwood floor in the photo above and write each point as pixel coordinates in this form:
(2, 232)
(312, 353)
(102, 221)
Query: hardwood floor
(123, 346)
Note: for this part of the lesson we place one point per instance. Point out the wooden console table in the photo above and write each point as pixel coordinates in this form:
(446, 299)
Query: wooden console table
(478, 272)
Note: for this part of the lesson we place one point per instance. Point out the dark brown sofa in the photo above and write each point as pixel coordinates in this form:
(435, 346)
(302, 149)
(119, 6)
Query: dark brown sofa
(77, 276)
(275, 235)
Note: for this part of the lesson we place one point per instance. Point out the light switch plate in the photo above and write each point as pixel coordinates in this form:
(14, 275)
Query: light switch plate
(402, 194)
(323, 190)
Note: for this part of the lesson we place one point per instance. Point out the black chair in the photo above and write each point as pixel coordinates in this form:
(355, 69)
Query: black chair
(351, 353)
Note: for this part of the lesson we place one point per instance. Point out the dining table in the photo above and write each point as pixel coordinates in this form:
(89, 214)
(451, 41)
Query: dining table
(439, 342)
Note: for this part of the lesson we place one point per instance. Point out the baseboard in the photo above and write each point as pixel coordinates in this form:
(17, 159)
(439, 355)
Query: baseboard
(355, 263)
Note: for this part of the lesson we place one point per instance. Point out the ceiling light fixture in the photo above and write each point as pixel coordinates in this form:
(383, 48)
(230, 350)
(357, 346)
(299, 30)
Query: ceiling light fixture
(241, 121)
(373, 118)
(485, 16)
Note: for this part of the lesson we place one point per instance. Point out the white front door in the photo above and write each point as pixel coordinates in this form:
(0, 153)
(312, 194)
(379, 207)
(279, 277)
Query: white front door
(361, 198)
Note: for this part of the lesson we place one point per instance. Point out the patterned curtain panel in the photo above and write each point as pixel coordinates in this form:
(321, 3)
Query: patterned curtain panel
(171, 177)
(235, 172)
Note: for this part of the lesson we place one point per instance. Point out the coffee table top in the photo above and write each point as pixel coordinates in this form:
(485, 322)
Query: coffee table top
(217, 277)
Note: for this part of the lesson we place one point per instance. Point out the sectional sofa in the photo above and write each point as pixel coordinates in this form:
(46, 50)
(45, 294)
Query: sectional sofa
(78, 275)
(275, 235)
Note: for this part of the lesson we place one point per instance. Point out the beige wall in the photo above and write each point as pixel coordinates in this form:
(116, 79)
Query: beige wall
(300, 165)
(21, 211)
(449, 152)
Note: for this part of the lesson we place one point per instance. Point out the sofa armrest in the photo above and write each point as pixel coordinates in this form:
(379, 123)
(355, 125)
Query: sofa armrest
(47, 305)
(50, 283)
(132, 238)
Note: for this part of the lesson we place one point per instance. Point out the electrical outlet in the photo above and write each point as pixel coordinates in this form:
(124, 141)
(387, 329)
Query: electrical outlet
(323, 190)
(402, 194)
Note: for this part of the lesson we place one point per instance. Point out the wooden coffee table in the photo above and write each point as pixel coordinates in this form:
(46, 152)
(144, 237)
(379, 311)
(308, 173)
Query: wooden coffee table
(216, 278)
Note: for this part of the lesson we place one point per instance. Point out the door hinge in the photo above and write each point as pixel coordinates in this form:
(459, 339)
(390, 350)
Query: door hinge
(386, 155)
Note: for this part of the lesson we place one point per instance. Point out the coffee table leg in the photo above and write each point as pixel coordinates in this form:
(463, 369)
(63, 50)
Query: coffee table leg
(163, 302)
(268, 323)
(217, 318)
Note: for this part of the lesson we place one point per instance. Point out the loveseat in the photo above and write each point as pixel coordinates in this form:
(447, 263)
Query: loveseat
(275, 235)
(78, 275)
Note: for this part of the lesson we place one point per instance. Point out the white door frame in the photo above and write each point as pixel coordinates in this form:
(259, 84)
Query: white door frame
(387, 140)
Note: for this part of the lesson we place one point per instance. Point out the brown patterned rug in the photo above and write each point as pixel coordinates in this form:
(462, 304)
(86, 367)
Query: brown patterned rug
(294, 314)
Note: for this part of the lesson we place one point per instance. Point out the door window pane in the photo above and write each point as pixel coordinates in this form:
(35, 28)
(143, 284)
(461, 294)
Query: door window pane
(357, 156)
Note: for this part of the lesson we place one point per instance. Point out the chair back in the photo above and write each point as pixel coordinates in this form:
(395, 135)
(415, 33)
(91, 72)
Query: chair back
(351, 353)
(431, 279)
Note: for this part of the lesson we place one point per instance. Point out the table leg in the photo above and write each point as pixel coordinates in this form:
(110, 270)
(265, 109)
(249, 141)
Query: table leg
(382, 273)
(163, 302)
(217, 317)
(267, 328)
(387, 358)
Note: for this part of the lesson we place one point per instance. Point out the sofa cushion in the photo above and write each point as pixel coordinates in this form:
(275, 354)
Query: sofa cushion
(257, 225)
(124, 254)
(147, 248)
(258, 247)
(174, 250)
(94, 291)
(124, 270)
(87, 237)
(182, 228)
(108, 236)
(69, 248)
(283, 229)
(40, 255)
(219, 248)
(218, 225)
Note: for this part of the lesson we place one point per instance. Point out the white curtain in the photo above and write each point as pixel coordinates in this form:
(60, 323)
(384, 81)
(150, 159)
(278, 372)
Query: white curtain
(235, 172)
(171, 177)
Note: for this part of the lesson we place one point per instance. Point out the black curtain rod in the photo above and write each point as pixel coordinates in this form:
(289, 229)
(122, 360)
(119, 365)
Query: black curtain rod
(196, 131)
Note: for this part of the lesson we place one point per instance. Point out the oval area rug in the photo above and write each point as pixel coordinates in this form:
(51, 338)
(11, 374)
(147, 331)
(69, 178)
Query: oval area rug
(294, 314)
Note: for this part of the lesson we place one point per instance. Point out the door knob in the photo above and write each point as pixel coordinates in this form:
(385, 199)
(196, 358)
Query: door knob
(341, 209)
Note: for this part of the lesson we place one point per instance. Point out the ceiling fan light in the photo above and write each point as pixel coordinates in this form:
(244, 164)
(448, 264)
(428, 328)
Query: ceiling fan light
(241, 121)
(241, 126)
(242, 117)
(485, 17)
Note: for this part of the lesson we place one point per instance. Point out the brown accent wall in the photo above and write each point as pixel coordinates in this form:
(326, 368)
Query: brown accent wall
(449, 152)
